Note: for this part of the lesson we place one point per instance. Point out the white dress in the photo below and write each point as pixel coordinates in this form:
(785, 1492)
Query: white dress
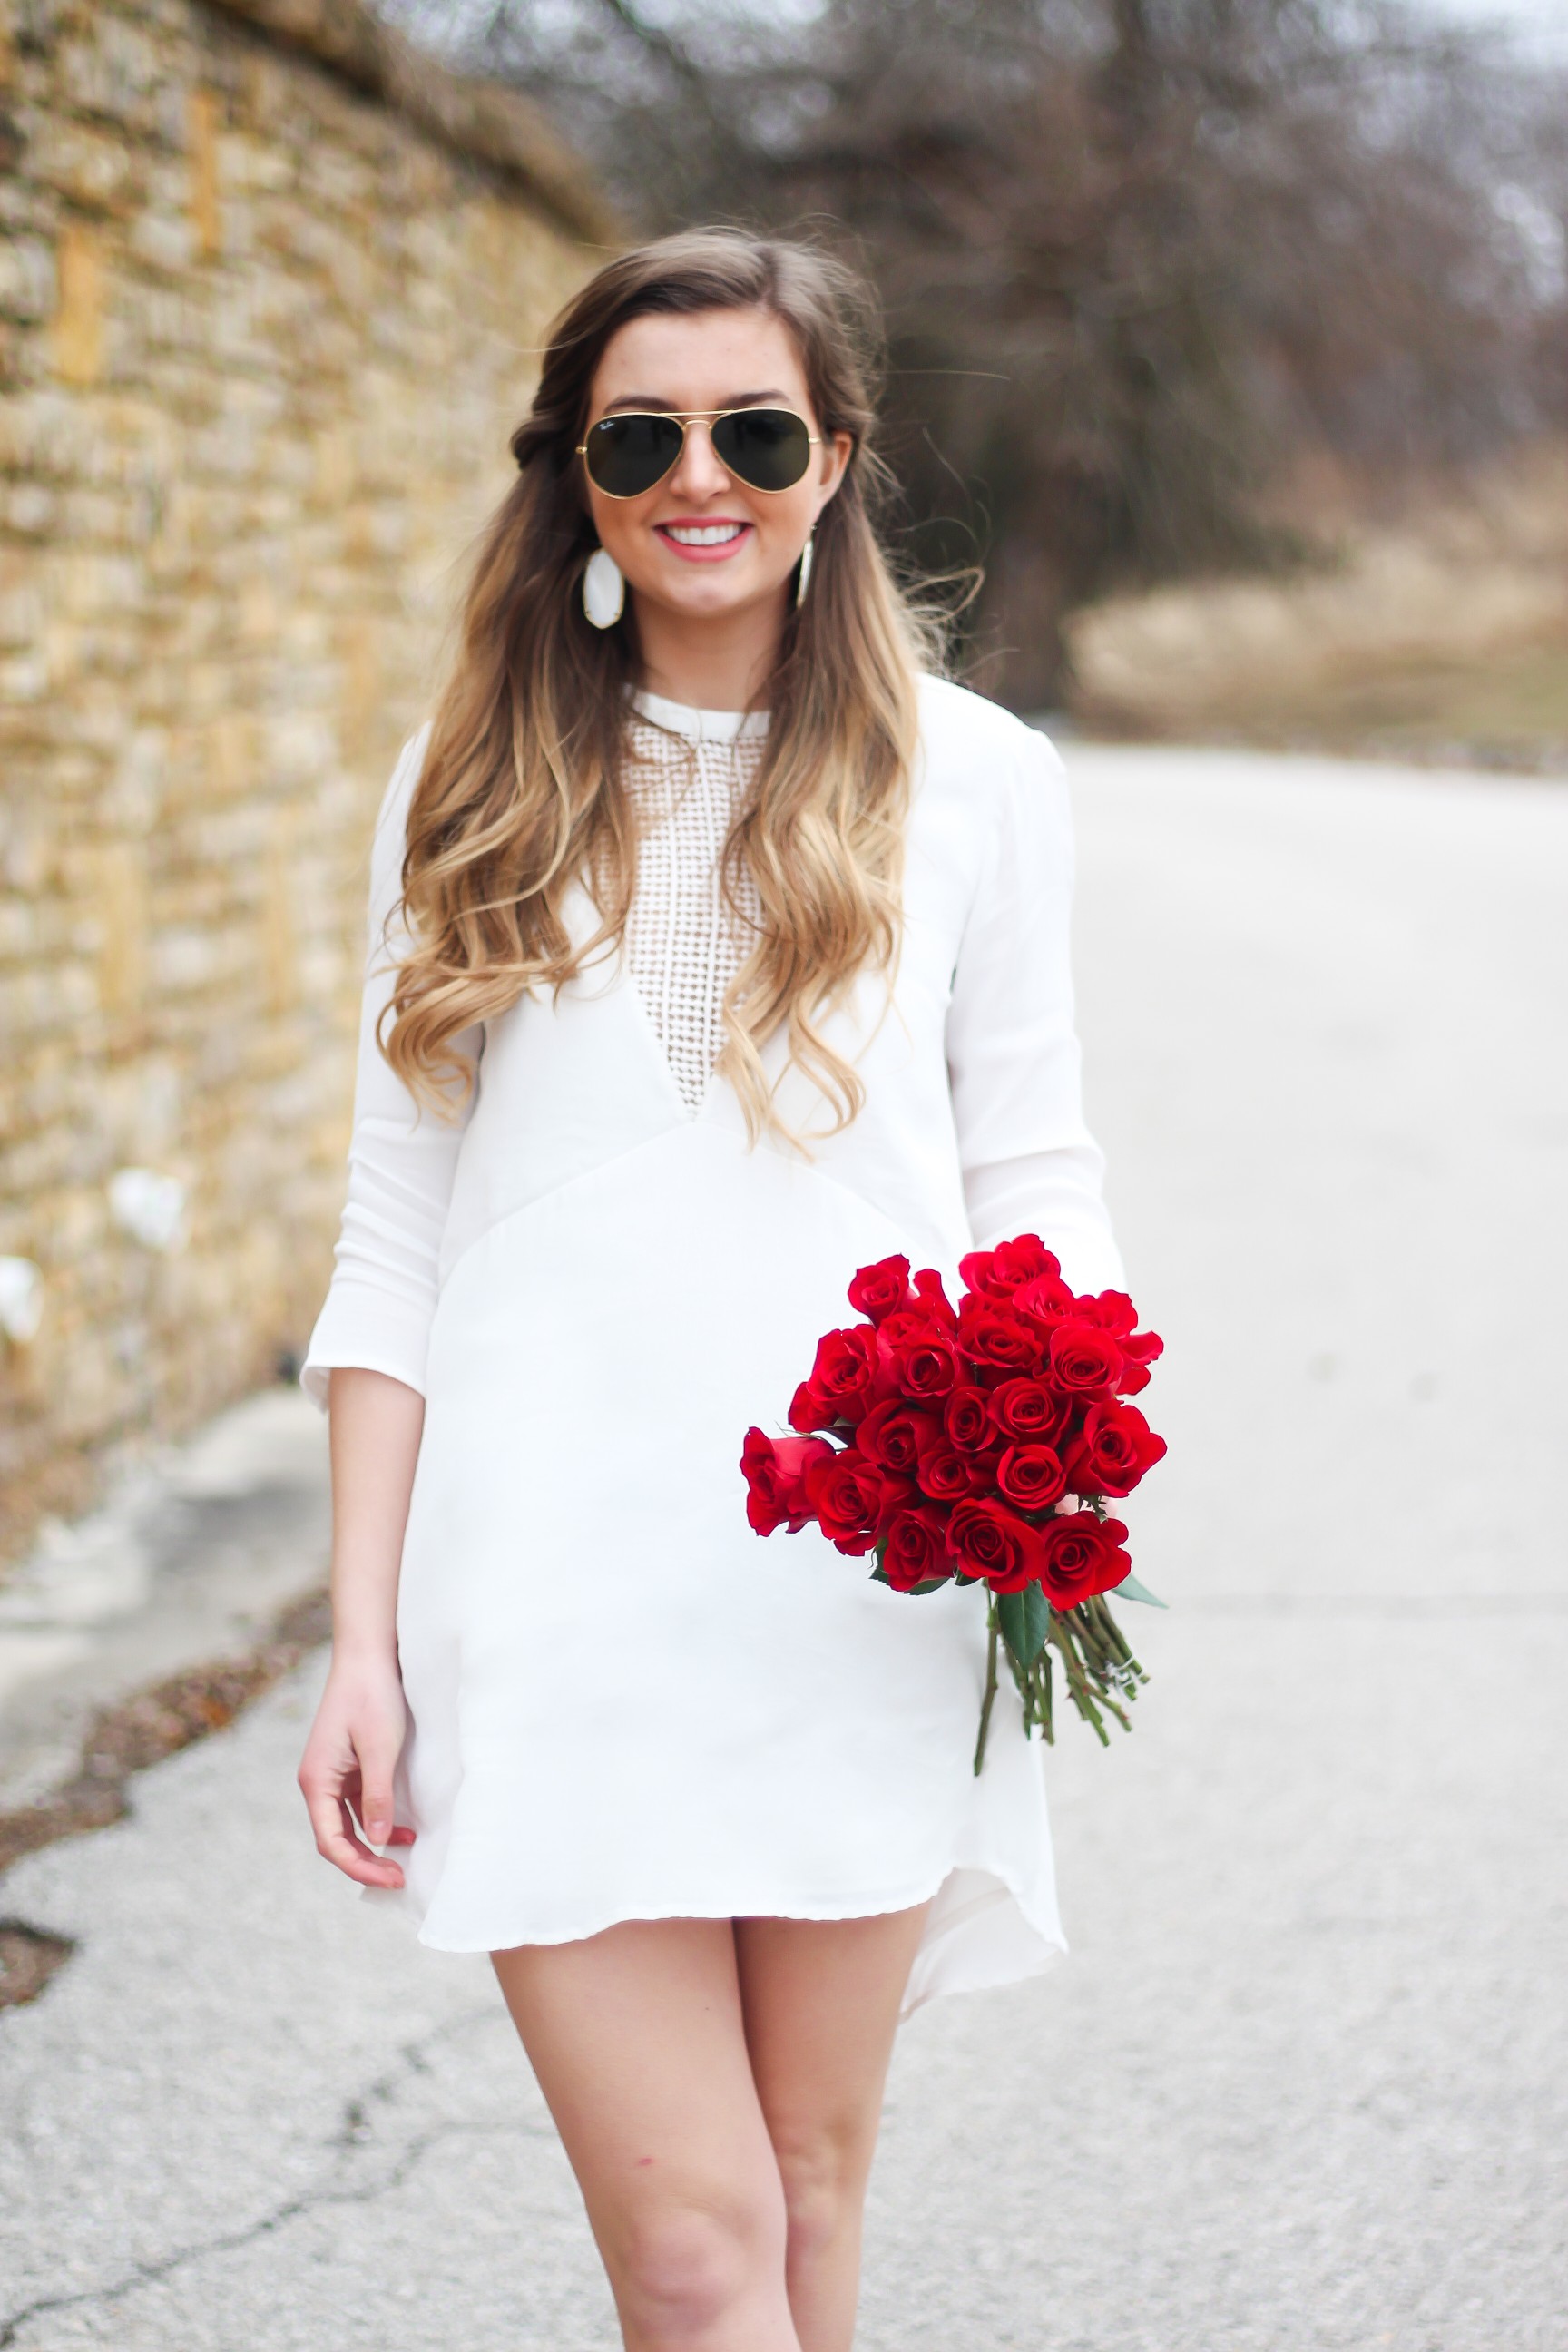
(623, 1704)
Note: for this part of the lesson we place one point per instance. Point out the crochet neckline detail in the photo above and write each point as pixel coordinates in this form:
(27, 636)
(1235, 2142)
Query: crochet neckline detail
(699, 725)
(687, 936)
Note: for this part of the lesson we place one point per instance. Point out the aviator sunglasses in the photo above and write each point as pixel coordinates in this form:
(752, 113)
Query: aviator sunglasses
(766, 448)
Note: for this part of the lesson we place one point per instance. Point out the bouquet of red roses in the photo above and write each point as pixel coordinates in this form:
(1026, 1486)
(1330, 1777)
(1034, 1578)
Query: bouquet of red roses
(981, 1443)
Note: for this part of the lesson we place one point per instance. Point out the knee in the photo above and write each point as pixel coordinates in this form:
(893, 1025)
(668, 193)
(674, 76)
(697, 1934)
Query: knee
(823, 2173)
(683, 2268)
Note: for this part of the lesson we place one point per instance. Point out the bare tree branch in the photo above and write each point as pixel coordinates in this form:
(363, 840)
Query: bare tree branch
(1138, 256)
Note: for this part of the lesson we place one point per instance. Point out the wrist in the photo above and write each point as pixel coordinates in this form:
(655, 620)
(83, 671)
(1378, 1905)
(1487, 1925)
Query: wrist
(364, 1650)
(364, 1605)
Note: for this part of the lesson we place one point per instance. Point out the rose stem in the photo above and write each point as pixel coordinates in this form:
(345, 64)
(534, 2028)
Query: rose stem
(1077, 1682)
(986, 1703)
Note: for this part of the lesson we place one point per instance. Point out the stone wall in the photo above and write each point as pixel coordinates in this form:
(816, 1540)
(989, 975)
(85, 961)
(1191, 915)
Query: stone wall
(269, 296)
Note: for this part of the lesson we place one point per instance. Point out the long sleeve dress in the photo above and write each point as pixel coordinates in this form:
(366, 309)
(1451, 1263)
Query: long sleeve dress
(622, 1703)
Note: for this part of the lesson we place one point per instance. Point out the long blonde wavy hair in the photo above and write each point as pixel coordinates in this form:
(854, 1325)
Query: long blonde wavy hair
(519, 798)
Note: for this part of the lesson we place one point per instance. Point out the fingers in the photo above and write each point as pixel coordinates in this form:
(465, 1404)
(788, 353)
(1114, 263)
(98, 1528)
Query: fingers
(338, 1843)
(346, 1779)
(332, 1782)
(374, 1793)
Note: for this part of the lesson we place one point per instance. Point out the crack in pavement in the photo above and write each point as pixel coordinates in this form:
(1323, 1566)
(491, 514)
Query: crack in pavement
(28, 1959)
(150, 1725)
(308, 2200)
(347, 2140)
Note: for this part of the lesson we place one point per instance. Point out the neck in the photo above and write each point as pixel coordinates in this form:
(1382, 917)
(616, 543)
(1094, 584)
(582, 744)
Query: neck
(715, 662)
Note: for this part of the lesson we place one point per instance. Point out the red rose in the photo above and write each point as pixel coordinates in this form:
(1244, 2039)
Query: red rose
(845, 1373)
(774, 1472)
(916, 1551)
(894, 1434)
(966, 1418)
(934, 1299)
(993, 1334)
(1139, 1351)
(922, 1365)
(1028, 1411)
(1024, 1259)
(993, 1543)
(808, 1411)
(1081, 1556)
(908, 1323)
(997, 1272)
(978, 1273)
(1083, 1361)
(1113, 1451)
(1044, 1302)
(1113, 1312)
(1031, 1476)
(945, 1474)
(878, 1289)
(850, 1499)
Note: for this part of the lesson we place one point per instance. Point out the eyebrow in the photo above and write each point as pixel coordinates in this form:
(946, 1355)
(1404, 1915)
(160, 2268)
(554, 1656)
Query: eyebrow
(649, 404)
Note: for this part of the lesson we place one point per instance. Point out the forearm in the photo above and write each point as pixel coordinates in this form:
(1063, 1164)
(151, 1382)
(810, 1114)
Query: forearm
(1057, 1195)
(376, 1424)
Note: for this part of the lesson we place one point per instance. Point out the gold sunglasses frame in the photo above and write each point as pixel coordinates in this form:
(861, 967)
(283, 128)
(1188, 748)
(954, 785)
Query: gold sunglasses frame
(708, 416)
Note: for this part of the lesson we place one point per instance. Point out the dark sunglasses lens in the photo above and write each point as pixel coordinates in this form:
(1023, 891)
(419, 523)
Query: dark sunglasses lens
(627, 455)
(768, 448)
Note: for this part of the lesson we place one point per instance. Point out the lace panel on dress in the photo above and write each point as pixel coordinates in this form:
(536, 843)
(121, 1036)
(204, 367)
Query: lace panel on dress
(683, 944)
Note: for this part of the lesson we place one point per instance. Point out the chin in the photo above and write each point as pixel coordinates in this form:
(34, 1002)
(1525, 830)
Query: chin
(705, 599)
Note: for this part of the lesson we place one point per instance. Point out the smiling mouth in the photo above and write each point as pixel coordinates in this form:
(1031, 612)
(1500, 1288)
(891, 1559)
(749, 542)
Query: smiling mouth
(705, 534)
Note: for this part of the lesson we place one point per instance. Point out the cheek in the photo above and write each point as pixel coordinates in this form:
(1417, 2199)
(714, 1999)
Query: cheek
(792, 512)
(616, 528)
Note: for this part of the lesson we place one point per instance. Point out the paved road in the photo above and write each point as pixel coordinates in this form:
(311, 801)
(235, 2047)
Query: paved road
(1304, 2082)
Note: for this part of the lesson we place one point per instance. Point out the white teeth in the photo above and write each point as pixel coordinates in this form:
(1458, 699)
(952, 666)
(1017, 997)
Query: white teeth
(711, 534)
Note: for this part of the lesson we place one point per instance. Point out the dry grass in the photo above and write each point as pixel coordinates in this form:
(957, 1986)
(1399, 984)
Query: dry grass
(1440, 631)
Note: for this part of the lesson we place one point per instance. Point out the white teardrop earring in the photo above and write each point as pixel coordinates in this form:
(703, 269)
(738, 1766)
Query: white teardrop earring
(803, 575)
(604, 590)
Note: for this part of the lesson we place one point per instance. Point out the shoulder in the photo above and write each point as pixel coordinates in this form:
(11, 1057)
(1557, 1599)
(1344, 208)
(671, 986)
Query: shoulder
(985, 777)
(967, 741)
(390, 838)
(392, 818)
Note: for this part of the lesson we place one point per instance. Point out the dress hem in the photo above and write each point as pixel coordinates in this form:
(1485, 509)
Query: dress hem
(1048, 1943)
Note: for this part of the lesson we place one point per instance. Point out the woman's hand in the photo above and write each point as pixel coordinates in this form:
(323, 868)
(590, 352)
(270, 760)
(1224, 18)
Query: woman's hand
(345, 1773)
(357, 1737)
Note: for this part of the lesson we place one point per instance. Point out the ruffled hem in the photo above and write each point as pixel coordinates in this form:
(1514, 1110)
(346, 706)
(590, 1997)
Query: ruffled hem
(979, 1934)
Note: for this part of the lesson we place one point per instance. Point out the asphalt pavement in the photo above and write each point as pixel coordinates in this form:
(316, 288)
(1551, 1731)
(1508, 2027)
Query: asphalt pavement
(1303, 2081)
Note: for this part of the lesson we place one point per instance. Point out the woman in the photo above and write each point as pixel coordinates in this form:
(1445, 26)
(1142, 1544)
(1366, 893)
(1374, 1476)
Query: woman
(717, 950)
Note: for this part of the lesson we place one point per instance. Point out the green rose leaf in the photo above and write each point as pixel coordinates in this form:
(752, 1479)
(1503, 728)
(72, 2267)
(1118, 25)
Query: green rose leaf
(1025, 1618)
(1131, 1589)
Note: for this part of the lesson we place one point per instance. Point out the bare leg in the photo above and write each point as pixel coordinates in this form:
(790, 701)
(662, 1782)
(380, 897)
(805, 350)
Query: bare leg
(821, 2003)
(638, 2041)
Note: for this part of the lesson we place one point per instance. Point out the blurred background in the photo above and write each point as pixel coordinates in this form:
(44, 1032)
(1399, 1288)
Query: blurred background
(1175, 290)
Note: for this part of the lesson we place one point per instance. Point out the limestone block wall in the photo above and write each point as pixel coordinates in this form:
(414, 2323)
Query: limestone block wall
(270, 293)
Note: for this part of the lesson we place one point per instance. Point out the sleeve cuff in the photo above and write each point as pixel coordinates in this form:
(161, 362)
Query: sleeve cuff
(365, 1329)
(1056, 1195)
